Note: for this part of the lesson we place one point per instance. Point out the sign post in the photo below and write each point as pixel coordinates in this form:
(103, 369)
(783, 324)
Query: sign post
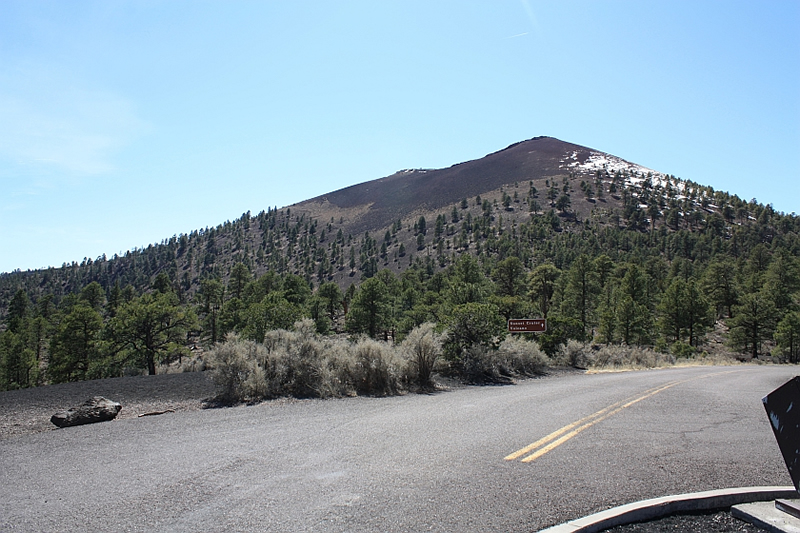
(527, 325)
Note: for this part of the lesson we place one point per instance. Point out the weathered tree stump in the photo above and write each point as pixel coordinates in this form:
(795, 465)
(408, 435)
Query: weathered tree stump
(98, 409)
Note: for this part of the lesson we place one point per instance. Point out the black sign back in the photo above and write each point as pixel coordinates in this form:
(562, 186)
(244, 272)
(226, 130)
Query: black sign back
(783, 409)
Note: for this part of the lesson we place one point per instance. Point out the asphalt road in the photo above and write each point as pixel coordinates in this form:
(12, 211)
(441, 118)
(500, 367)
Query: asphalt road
(451, 461)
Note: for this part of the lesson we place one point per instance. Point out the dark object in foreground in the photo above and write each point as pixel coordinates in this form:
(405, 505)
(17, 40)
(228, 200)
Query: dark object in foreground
(784, 417)
(97, 409)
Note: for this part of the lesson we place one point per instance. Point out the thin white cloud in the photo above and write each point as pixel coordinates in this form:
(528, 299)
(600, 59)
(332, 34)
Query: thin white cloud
(49, 121)
(13, 207)
(526, 5)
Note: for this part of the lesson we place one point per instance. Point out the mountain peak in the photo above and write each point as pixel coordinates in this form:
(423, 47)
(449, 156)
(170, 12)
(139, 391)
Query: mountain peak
(380, 202)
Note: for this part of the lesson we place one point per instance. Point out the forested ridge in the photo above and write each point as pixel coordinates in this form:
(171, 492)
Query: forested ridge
(607, 256)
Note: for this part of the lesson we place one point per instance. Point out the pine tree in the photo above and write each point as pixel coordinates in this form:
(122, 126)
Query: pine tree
(17, 311)
(698, 313)
(271, 313)
(632, 314)
(473, 324)
(422, 226)
(509, 277)
(787, 336)
(211, 294)
(672, 310)
(239, 278)
(332, 296)
(467, 283)
(719, 283)
(76, 350)
(94, 295)
(151, 330)
(782, 280)
(370, 308)
(684, 311)
(541, 286)
(753, 323)
(580, 291)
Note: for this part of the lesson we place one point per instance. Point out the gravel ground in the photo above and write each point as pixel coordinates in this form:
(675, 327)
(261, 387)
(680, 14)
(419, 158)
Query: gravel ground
(29, 410)
(718, 522)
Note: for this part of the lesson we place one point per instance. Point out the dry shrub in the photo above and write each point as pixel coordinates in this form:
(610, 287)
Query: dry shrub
(304, 360)
(302, 364)
(195, 364)
(620, 356)
(255, 386)
(377, 369)
(286, 364)
(234, 362)
(513, 357)
(518, 356)
(422, 348)
(277, 337)
(335, 370)
(475, 365)
(611, 356)
(292, 362)
(305, 328)
(575, 354)
(712, 359)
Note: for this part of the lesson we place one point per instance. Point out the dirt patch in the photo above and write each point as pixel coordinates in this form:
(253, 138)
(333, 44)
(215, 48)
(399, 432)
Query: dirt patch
(28, 411)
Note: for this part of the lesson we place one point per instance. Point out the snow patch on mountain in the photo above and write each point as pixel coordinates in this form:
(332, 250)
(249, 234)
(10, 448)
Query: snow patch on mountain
(412, 171)
(601, 161)
(634, 174)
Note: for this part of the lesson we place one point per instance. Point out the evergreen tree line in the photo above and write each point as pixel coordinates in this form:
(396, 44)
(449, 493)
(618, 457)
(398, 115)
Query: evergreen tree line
(647, 300)
(657, 265)
(629, 221)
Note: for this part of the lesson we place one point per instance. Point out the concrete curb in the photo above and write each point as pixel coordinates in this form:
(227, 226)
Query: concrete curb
(766, 516)
(681, 503)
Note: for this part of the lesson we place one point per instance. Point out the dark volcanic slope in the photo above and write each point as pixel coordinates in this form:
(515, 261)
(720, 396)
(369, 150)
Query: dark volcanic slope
(406, 192)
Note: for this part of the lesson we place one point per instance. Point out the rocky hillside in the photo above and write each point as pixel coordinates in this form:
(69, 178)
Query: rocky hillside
(431, 216)
(607, 251)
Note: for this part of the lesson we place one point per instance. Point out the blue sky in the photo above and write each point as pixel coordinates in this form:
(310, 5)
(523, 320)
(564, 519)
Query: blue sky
(123, 123)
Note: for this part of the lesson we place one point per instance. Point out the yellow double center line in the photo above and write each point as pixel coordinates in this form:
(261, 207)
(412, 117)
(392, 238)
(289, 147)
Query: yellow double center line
(560, 436)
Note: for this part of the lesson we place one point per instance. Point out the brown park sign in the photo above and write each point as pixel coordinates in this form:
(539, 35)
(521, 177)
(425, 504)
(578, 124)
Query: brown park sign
(527, 325)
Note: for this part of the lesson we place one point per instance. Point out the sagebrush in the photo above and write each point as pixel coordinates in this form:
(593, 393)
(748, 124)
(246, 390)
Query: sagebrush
(611, 356)
(303, 364)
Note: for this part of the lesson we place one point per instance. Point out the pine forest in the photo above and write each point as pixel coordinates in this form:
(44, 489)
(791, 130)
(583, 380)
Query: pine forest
(608, 257)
